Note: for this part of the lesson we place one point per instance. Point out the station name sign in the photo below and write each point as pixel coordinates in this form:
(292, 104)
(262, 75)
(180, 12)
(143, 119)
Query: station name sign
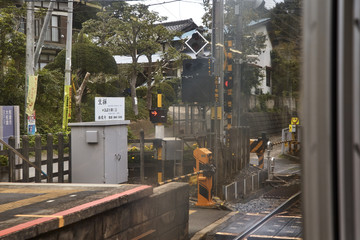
(109, 108)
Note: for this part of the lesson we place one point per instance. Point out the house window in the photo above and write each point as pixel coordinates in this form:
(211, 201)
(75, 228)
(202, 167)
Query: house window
(44, 60)
(52, 33)
(268, 76)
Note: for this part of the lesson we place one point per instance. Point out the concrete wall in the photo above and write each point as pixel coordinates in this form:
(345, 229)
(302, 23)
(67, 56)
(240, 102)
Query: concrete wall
(164, 215)
(291, 104)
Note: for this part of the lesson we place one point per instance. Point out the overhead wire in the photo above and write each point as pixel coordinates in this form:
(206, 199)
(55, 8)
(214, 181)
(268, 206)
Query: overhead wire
(171, 1)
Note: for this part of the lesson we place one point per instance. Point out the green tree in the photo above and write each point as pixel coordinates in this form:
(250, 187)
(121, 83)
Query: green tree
(48, 107)
(239, 28)
(207, 17)
(130, 30)
(86, 59)
(12, 55)
(285, 33)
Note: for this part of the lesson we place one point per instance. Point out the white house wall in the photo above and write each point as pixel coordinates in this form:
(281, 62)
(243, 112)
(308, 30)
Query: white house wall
(264, 59)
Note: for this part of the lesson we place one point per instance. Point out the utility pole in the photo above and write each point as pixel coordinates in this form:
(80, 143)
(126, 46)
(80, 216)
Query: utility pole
(218, 55)
(29, 69)
(237, 100)
(67, 84)
(68, 43)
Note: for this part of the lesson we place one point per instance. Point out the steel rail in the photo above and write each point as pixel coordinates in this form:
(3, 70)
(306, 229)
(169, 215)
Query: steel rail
(279, 209)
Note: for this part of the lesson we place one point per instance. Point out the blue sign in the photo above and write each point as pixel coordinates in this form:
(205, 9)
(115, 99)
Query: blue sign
(8, 122)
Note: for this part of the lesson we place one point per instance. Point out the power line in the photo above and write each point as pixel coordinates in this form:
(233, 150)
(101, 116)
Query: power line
(162, 3)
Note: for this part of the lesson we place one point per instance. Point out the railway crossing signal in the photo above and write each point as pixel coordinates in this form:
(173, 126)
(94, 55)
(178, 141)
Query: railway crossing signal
(228, 81)
(196, 43)
(259, 146)
(158, 115)
(197, 80)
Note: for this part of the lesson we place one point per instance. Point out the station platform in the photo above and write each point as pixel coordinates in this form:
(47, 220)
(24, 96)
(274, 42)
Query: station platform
(27, 210)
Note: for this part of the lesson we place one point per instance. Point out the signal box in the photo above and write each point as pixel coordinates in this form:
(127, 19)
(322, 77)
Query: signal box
(158, 115)
(197, 82)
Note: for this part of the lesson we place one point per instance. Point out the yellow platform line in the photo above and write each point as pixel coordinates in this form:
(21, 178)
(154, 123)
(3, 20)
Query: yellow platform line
(61, 218)
(191, 211)
(32, 200)
(275, 237)
(144, 235)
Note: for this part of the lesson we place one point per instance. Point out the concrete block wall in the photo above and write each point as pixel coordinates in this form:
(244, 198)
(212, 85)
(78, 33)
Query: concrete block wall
(164, 215)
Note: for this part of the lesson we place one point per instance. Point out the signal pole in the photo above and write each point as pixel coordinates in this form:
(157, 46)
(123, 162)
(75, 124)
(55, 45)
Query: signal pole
(160, 129)
(238, 100)
(218, 54)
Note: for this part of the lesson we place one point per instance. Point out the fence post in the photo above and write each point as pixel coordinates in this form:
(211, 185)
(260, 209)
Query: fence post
(247, 147)
(142, 145)
(186, 118)
(50, 158)
(182, 158)
(60, 157)
(232, 149)
(236, 149)
(242, 149)
(38, 157)
(25, 153)
(11, 160)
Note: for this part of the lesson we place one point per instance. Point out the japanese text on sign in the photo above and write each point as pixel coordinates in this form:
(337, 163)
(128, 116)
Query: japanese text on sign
(109, 108)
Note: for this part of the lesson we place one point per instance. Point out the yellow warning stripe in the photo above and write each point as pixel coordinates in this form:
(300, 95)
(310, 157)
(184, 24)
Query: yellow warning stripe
(254, 214)
(256, 148)
(226, 234)
(282, 216)
(61, 218)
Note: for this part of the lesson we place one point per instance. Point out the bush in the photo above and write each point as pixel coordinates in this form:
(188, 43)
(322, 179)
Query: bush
(4, 160)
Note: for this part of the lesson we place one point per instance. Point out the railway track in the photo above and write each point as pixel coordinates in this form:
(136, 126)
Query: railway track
(282, 222)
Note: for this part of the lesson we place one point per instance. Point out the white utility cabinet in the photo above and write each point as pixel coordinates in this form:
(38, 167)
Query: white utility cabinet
(99, 152)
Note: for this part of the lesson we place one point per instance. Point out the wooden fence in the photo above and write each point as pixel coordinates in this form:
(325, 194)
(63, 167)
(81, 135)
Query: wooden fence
(237, 154)
(48, 154)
